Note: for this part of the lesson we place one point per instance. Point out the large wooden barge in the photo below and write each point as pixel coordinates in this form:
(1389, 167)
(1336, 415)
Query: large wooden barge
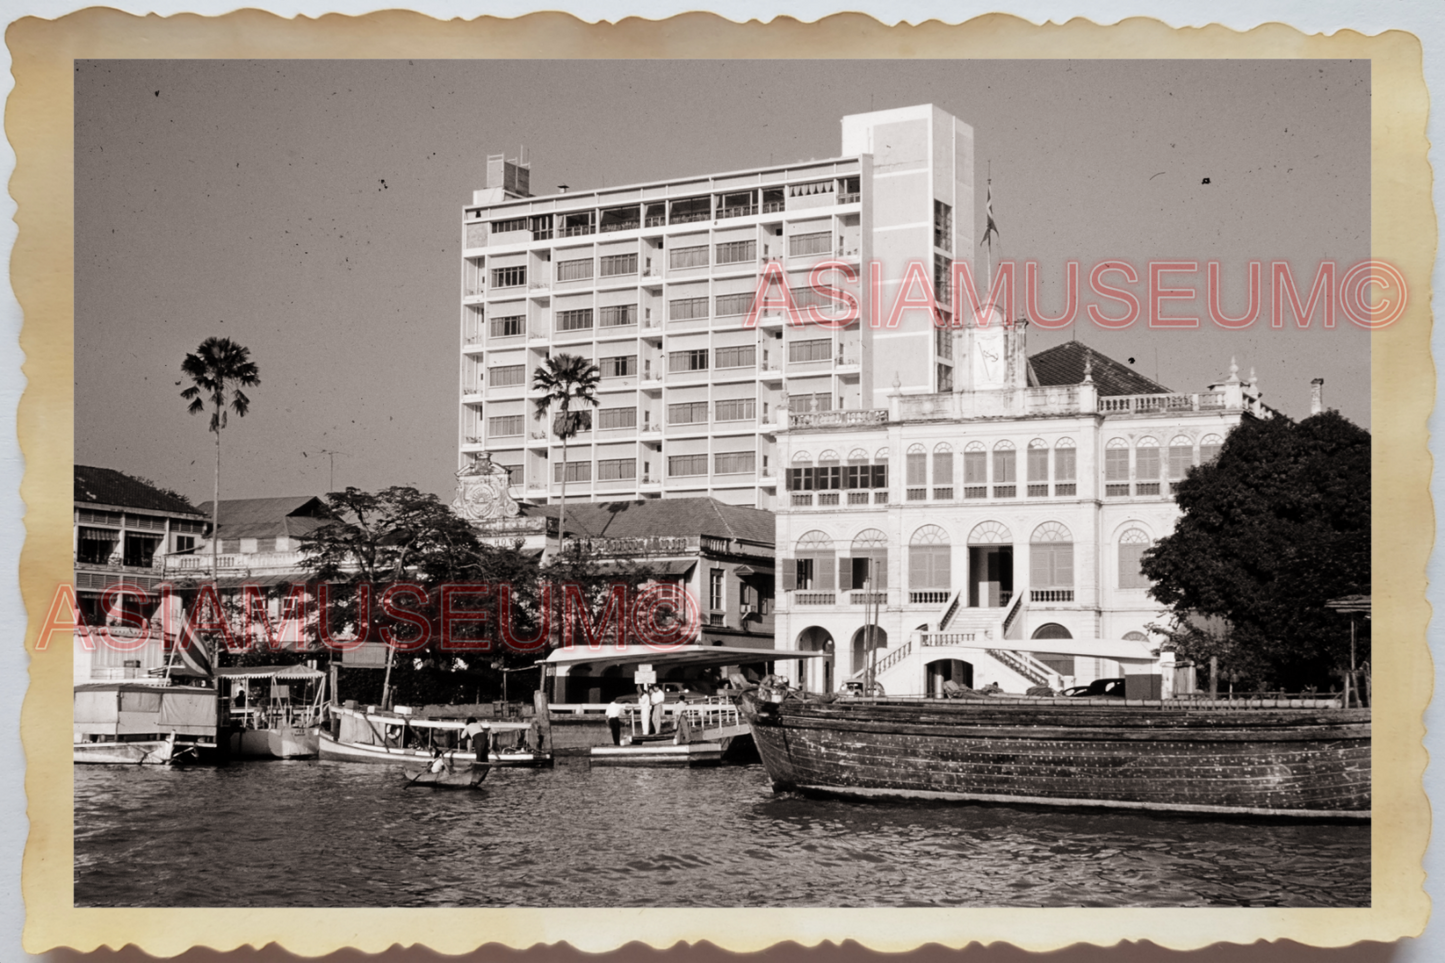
(1277, 757)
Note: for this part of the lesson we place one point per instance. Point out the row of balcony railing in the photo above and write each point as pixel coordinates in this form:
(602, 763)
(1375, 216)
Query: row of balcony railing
(1043, 596)
(1056, 399)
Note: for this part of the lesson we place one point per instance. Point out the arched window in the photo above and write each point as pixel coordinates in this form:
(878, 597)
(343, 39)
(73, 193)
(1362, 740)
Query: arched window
(829, 475)
(1146, 467)
(943, 470)
(858, 474)
(1065, 466)
(1038, 468)
(867, 564)
(1051, 564)
(1135, 637)
(1132, 545)
(990, 533)
(1181, 459)
(1116, 467)
(812, 568)
(1005, 470)
(929, 565)
(1209, 447)
(916, 468)
(975, 470)
(1051, 630)
(800, 476)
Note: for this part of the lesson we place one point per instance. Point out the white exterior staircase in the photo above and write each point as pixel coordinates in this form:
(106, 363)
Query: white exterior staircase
(973, 635)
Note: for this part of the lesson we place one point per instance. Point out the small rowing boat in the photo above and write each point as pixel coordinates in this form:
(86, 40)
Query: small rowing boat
(457, 777)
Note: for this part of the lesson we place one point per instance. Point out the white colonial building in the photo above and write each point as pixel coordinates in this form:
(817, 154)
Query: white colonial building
(991, 534)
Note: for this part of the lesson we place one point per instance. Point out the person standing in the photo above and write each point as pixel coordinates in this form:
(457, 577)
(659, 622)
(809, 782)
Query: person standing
(472, 738)
(614, 720)
(644, 710)
(657, 696)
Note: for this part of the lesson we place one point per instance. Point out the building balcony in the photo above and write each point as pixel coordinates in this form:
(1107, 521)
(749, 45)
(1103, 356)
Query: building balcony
(1051, 595)
(235, 564)
(849, 418)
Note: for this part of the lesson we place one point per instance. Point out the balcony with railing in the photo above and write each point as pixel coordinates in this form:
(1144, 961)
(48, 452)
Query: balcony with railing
(234, 563)
(1160, 404)
(1051, 595)
(846, 418)
(928, 597)
(814, 598)
(739, 210)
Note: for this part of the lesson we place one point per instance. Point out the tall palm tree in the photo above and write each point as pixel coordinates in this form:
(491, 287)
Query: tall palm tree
(569, 383)
(218, 370)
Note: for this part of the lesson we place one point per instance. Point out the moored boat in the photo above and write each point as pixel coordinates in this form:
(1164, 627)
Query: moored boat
(389, 738)
(276, 710)
(1267, 757)
(143, 723)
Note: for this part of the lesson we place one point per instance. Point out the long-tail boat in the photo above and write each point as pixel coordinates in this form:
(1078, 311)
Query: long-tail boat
(1293, 757)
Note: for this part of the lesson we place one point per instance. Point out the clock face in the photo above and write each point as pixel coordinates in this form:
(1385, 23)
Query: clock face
(988, 359)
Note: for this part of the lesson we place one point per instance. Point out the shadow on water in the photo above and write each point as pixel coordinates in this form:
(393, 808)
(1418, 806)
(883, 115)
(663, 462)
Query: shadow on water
(308, 833)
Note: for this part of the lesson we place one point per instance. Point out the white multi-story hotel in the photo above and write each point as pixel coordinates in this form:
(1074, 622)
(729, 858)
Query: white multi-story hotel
(993, 533)
(653, 283)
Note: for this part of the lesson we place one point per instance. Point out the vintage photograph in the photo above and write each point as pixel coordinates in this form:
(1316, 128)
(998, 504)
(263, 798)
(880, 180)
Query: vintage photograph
(776, 483)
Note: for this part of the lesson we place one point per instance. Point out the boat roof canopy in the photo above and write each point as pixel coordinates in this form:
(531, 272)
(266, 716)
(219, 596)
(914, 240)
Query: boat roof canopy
(269, 672)
(699, 655)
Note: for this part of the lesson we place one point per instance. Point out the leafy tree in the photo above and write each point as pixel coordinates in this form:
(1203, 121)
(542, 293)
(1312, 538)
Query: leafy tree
(401, 534)
(569, 383)
(1274, 528)
(218, 370)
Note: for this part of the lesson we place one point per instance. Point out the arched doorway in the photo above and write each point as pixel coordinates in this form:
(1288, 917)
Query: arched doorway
(816, 675)
(990, 565)
(948, 670)
(1062, 664)
(860, 649)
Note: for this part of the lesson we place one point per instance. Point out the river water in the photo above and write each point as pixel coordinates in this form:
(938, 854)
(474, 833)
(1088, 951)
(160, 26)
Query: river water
(312, 833)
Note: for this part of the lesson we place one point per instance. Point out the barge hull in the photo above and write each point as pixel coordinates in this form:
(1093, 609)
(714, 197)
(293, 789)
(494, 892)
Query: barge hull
(1310, 764)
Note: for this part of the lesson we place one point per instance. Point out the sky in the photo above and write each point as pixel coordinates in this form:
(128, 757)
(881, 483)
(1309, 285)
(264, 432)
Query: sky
(311, 211)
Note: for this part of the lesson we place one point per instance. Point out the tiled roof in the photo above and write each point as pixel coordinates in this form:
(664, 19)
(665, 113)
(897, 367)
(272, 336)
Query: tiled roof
(663, 516)
(106, 486)
(292, 516)
(1064, 365)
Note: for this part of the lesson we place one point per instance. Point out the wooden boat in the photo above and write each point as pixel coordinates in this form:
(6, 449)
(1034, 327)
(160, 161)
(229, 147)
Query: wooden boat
(276, 710)
(143, 723)
(1289, 757)
(388, 738)
(458, 777)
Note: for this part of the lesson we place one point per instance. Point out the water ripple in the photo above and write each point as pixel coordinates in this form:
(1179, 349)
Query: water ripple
(337, 834)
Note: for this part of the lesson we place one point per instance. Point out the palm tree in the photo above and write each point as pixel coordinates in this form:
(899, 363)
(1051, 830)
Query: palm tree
(570, 382)
(218, 370)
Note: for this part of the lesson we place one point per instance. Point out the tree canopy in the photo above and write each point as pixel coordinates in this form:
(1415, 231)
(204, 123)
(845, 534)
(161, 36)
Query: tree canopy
(1271, 530)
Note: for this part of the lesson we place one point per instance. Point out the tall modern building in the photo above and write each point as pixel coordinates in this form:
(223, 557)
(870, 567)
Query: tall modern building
(654, 282)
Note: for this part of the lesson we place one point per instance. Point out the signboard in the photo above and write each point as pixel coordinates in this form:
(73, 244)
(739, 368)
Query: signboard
(644, 675)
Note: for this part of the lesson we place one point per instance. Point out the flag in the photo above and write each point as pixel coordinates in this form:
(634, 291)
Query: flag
(990, 228)
(193, 651)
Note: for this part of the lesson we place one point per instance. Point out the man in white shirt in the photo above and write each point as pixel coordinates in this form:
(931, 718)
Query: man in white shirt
(614, 720)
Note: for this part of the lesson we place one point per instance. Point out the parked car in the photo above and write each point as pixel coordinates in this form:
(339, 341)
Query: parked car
(1099, 687)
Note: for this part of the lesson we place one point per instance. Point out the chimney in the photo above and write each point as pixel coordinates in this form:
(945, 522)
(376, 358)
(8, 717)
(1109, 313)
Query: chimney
(1317, 393)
